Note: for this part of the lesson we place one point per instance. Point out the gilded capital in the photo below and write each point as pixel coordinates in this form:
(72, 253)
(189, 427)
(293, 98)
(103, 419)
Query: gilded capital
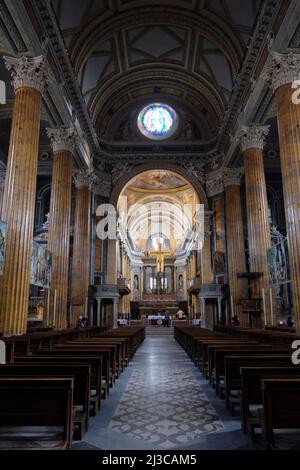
(253, 136)
(27, 72)
(62, 139)
(282, 69)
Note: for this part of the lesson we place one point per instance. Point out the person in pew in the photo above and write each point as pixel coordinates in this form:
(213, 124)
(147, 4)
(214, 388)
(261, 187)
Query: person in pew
(289, 322)
(235, 321)
(80, 323)
(86, 322)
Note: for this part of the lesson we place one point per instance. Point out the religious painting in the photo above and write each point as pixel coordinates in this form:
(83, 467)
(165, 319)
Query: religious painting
(3, 228)
(40, 266)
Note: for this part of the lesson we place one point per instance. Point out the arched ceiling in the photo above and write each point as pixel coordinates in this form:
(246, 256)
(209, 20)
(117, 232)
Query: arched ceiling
(127, 53)
(157, 201)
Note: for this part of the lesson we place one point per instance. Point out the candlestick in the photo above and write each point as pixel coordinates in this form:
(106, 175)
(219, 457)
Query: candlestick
(264, 304)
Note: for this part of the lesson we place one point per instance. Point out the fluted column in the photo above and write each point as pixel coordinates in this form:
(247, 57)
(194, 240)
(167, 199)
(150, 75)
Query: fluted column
(62, 141)
(283, 74)
(236, 258)
(19, 192)
(82, 244)
(259, 239)
(2, 184)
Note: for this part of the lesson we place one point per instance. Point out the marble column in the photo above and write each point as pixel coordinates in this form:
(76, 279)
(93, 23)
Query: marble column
(18, 203)
(283, 74)
(82, 244)
(63, 144)
(236, 258)
(253, 140)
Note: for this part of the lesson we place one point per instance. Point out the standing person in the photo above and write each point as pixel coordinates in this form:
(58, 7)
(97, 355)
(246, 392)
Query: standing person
(167, 319)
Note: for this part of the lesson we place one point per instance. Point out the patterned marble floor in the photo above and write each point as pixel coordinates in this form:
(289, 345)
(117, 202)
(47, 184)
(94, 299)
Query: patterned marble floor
(162, 402)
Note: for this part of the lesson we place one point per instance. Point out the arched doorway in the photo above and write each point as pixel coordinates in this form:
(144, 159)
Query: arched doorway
(157, 271)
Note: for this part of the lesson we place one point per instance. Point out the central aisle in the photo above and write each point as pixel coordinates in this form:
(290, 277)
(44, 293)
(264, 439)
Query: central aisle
(161, 402)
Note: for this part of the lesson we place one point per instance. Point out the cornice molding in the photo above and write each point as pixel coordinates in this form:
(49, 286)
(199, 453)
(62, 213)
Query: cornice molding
(243, 84)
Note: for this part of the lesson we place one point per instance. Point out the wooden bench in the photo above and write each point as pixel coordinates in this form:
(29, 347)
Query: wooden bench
(107, 351)
(281, 408)
(95, 364)
(233, 379)
(251, 390)
(103, 358)
(36, 412)
(81, 392)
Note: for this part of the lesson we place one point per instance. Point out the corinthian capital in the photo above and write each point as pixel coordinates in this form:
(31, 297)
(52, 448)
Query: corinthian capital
(282, 69)
(84, 178)
(62, 139)
(214, 185)
(27, 72)
(253, 136)
(232, 176)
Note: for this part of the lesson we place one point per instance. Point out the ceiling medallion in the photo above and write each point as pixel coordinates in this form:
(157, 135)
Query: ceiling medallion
(157, 121)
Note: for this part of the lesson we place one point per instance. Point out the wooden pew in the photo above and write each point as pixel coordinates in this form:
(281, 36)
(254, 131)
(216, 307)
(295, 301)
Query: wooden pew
(81, 393)
(32, 403)
(95, 364)
(281, 409)
(103, 358)
(216, 369)
(233, 379)
(108, 351)
(251, 390)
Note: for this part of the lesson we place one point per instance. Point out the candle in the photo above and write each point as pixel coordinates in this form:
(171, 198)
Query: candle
(271, 306)
(70, 314)
(86, 306)
(54, 307)
(264, 304)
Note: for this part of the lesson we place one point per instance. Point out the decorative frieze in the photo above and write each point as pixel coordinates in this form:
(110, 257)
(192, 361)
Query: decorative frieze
(62, 139)
(196, 170)
(102, 186)
(120, 170)
(27, 72)
(282, 69)
(253, 136)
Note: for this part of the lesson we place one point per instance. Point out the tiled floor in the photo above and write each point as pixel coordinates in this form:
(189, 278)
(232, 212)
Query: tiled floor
(162, 402)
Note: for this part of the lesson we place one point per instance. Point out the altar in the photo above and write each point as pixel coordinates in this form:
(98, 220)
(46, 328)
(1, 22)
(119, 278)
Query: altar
(156, 319)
